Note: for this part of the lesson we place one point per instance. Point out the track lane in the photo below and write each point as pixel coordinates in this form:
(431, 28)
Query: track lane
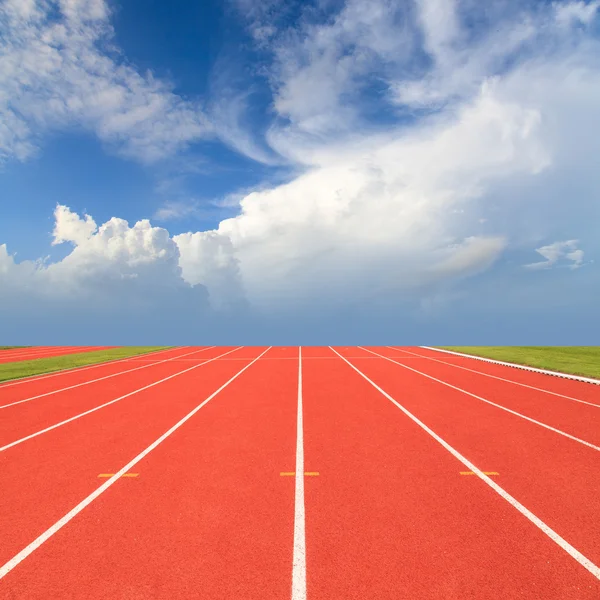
(45, 477)
(544, 390)
(579, 420)
(59, 351)
(28, 418)
(77, 371)
(34, 350)
(553, 476)
(11, 394)
(390, 516)
(209, 516)
(569, 387)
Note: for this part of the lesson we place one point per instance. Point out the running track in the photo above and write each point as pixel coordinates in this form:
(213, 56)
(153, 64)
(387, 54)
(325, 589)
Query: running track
(202, 450)
(34, 352)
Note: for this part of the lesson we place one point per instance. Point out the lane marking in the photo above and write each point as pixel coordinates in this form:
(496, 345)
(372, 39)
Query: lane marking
(293, 473)
(504, 408)
(299, 556)
(555, 537)
(53, 354)
(87, 412)
(114, 474)
(71, 387)
(531, 387)
(51, 350)
(23, 554)
(484, 472)
(34, 378)
(517, 366)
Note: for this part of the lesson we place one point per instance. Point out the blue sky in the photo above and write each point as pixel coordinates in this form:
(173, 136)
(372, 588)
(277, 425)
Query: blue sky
(286, 172)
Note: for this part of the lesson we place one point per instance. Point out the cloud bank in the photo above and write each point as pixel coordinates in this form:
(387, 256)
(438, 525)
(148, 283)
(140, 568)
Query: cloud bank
(429, 152)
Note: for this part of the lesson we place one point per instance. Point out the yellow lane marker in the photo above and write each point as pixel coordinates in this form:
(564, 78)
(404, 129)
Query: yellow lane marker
(293, 474)
(124, 475)
(484, 472)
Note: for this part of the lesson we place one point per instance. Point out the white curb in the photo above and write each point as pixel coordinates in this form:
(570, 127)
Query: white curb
(515, 366)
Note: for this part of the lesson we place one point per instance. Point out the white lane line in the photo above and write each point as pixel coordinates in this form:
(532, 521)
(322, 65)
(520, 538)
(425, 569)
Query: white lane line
(295, 358)
(531, 387)
(299, 556)
(555, 537)
(87, 412)
(33, 378)
(517, 366)
(51, 352)
(101, 378)
(508, 410)
(28, 351)
(15, 560)
(39, 350)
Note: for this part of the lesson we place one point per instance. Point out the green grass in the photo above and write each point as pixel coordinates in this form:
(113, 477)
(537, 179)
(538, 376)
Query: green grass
(26, 368)
(576, 360)
(9, 347)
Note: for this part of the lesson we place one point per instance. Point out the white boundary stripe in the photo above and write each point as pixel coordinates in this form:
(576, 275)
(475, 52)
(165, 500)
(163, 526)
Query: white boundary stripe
(101, 378)
(27, 352)
(299, 557)
(555, 537)
(32, 378)
(67, 351)
(87, 412)
(34, 351)
(296, 358)
(13, 562)
(516, 366)
(531, 387)
(508, 410)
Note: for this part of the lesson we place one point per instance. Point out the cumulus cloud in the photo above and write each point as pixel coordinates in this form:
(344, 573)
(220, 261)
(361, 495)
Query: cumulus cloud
(559, 254)
(208, 258)
(487, 127)
(58, 70)
(117, 278)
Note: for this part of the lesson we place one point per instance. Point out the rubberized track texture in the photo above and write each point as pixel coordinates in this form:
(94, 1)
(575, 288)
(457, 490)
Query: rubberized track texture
(35, 352)
(314, 473)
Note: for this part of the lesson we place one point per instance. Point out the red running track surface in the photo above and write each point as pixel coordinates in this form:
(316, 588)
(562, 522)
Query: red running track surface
(35, 352)
(211, 510)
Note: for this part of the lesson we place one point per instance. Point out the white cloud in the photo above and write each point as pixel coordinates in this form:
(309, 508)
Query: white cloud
(576, 12)
(113, 267)
(70, 227)
(208, 258)
(175, 209)
(557, 253)
(320, 68)
(60, 71)
(392, 215)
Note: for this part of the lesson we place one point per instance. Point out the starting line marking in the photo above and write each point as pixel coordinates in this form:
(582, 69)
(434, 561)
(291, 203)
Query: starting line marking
(484, 472)
(113, 474)
(293, 473)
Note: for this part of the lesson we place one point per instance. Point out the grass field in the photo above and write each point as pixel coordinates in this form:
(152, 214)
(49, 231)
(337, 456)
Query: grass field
(26, 368)
(576, 360)
(9, 347)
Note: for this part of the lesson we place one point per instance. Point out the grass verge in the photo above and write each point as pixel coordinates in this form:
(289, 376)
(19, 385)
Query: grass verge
(39, 366)
(575, 360)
